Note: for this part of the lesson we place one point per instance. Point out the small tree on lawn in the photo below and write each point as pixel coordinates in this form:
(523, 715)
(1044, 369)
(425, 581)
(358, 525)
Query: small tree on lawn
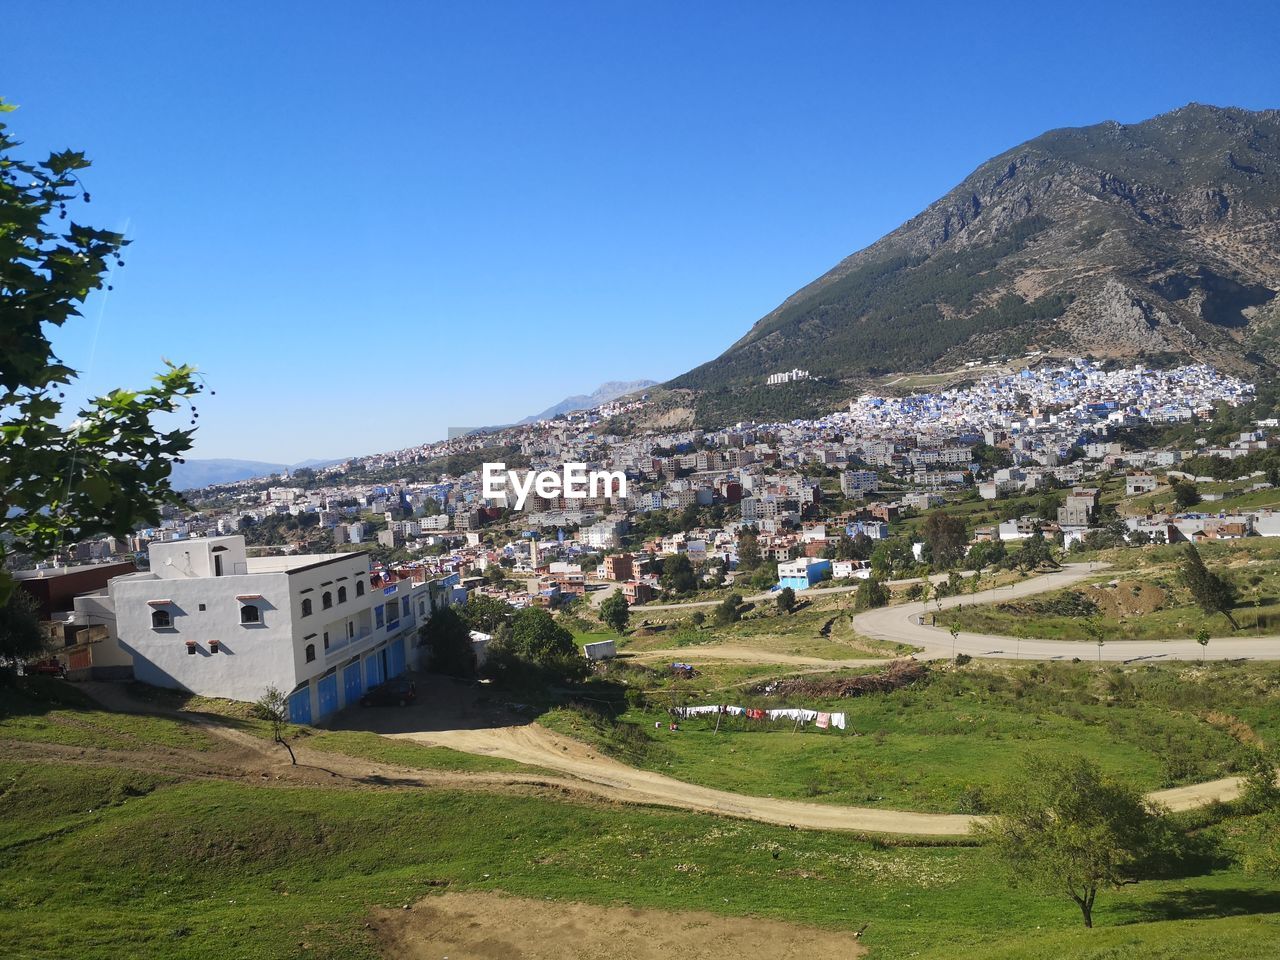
(786, 600)
(1065, 829)
(615, 612)
(871, 593)
(727, 611)
(274, 707)
(1212, 592)
(1202, 638)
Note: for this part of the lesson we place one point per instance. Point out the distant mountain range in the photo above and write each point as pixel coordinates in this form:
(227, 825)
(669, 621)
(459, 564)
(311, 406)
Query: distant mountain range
(602, 394)
(1159, 239)
(194, 474)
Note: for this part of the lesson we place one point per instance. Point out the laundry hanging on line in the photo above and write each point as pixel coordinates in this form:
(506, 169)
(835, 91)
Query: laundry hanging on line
(796, 714)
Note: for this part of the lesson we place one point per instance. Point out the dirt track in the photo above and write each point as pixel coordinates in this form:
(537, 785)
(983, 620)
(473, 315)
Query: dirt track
(489, 926)
(582, 770)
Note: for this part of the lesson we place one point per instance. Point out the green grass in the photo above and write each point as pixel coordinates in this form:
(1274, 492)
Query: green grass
(42, 710)
(941, 745)
(763, 628)
(207, 870)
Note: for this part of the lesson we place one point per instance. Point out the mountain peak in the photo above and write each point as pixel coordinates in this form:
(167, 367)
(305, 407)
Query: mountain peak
(1113, 239)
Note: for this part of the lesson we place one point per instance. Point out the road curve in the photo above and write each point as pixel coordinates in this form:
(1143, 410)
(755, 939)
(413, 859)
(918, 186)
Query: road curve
(899, 624)
(594, 773)
(536, 745)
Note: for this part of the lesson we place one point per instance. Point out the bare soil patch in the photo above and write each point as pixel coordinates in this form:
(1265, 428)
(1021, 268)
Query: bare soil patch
(490, 926)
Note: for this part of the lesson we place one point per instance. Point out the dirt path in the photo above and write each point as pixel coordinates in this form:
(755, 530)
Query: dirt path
(536, 745)
(490, 926)
(582, 771)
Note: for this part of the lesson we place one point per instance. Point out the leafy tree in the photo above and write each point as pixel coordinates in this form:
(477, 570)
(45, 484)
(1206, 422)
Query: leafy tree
(448, 637)
(870, 593)
(1035, 551)
(1212, 592)
(20, 636)
(728, 610)
(786, 600)
(273, 706)
(615, 612)
(1202, 638)
(486, 614)
(765, 576)
(1185, 494)
(108, 470)
(1066, 829)
(748, 549)
(677, 574)
(537, 638)
(946, 536)
(698, 618)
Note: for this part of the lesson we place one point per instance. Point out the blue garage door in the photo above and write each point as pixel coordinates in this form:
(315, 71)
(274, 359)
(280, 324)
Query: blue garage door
(395, 657)
(351, 685)
(300, 706)
(373, 670)
(328, 690)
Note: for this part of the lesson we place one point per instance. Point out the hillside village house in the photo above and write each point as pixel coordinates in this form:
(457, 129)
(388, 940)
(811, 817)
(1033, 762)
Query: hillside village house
(803, 573)
(209, 619)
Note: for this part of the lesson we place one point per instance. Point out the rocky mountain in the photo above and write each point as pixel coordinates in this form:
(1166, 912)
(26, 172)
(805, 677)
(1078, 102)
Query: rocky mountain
(1159, 239)
(602, 394)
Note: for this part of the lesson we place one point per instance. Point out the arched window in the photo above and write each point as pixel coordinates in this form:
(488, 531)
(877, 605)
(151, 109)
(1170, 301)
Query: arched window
(359, 588)
(342, 594)
(250, 614)
(326, 600)
(311, 652)
(160, 619)
(306, 607)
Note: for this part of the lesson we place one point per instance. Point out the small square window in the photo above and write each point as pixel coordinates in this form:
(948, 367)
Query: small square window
(202, 607)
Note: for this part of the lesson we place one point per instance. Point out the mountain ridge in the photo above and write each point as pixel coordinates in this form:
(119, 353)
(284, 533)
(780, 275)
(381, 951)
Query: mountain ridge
(609, 390)
(1158, 239)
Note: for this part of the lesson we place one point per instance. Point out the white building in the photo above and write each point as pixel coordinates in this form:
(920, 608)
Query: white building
(858, 483)
(320, 628)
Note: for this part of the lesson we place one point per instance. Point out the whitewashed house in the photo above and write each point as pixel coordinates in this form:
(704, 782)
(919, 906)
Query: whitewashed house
(209, 619)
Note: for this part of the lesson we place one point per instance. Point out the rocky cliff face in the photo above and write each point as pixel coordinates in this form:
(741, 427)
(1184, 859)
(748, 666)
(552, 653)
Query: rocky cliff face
(1161, 237)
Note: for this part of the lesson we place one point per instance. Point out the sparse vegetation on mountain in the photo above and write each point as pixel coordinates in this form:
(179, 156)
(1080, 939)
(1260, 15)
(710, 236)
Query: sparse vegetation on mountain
(1148, 239)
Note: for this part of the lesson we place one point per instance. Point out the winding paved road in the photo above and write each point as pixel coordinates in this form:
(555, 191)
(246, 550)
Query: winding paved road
(900, 624)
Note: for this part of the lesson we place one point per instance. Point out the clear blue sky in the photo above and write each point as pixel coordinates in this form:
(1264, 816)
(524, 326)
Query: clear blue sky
(369, 222)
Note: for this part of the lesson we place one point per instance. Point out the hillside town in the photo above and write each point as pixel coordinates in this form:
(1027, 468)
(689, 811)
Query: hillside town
(829, 499)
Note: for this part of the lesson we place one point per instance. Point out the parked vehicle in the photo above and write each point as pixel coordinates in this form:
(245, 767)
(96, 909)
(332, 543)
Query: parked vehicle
(48, 667)
(398, 692)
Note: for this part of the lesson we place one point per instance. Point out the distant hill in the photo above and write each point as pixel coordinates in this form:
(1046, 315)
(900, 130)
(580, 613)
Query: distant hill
(194, 474)
(602, 394)
(1159, 239)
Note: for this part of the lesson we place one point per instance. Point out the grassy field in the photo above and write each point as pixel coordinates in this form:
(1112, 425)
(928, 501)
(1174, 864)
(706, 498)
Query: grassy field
(819, 628)
(940, 745)
(47, 711)
(96, 863)
(1140, 597)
